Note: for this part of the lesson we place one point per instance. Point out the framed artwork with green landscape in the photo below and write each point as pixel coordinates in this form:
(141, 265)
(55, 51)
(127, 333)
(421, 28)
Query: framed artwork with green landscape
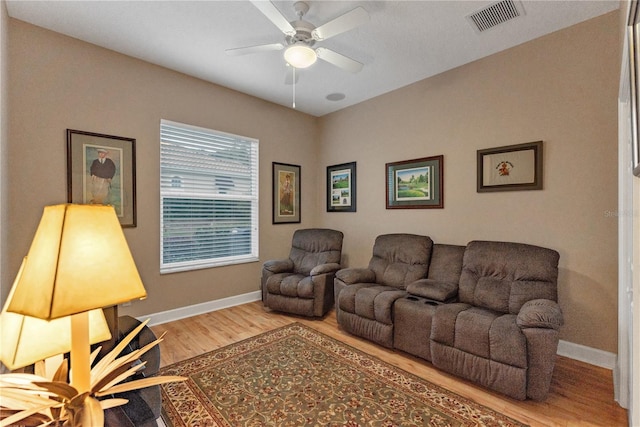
(341, 187)
(415, 184)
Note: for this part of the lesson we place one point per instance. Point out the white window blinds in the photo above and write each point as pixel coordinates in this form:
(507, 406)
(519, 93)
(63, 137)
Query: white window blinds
(208, 196)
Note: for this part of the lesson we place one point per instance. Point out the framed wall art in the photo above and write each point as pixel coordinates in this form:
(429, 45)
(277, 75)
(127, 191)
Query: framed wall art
(415, 184)
(286, 193)
(510, 168)
(101, 169)
(633, 29)
(341, 187)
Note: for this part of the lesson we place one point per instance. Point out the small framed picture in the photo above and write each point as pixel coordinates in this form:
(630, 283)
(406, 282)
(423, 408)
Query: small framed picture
(101, 169)
(510, 168)
(286, 193)
(341, 188)
(415, 184)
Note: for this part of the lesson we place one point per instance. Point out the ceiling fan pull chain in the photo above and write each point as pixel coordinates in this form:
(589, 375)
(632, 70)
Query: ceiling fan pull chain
(294, 86)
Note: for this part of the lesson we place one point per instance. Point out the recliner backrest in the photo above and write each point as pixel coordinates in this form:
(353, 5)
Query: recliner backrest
(314, 246)
(400, 259)
(502, 276)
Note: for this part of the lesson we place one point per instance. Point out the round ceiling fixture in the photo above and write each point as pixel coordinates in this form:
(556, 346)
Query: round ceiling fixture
(335, 96)
(300, 56)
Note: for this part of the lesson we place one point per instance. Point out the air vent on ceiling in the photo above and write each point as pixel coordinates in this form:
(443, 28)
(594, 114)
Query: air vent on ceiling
(495, 14)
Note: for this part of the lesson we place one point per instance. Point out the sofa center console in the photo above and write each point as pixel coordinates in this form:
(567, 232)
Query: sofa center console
(412, 325)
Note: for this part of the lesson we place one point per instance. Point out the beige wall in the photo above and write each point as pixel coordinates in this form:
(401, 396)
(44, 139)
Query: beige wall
(561, 89)
(57, 82)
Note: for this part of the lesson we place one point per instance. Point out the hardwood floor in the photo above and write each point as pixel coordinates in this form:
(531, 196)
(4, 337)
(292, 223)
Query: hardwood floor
(581, 394)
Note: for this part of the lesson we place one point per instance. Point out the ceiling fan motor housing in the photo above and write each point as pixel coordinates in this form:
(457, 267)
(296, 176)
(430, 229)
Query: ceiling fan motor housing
(303, 33)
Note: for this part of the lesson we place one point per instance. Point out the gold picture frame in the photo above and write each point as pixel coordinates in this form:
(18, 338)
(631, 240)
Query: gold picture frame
(286, 193)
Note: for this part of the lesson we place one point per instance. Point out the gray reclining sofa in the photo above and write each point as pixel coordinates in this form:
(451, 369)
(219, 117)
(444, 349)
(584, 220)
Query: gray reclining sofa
(486, 312)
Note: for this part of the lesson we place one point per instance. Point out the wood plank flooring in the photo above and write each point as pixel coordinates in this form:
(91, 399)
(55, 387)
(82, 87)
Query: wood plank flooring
(581, 394)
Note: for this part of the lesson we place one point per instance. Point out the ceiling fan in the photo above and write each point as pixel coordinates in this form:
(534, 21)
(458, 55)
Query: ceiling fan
(301, 35)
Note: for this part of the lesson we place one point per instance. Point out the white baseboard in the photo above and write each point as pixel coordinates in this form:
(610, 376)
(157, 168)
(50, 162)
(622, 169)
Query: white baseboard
(593, 356)
(205, 307)
(590, 355)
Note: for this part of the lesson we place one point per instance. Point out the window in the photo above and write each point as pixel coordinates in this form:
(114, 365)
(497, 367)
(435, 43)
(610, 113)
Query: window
(208, 197)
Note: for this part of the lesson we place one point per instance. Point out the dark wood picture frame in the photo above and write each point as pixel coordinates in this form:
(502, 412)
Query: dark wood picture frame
(415, 184)
(341, 187)
(286, 193)
(510, 168)
(110, 183)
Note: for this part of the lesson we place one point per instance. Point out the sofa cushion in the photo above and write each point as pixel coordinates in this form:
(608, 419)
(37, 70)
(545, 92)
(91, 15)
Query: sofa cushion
(444, 322)
(400, 259)
(493, 293)
(481, 332)
(370, 301)
(502, 276)
(471, 331)
(346, 300)
(290, 285)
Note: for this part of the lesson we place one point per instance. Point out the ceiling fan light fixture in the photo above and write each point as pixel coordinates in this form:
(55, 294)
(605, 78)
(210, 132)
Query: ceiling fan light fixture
(300, 56)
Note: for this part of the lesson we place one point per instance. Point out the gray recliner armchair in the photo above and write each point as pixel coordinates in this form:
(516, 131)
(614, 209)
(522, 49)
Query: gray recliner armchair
(303, 283)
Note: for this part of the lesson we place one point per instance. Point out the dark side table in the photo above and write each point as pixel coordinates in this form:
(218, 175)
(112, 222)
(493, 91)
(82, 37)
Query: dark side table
(145, 405)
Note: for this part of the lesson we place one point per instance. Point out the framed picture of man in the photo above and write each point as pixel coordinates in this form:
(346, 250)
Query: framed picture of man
(101, 170)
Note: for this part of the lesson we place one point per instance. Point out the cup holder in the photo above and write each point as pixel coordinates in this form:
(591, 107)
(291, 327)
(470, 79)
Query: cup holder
(425, 301)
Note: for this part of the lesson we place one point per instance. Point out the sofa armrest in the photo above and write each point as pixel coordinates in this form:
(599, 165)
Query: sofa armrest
(278, 265)
(540, 313)
(331, 267)
(433, 289)
(356, 275)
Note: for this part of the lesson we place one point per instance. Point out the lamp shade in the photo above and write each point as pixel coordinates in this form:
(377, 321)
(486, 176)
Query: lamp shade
(78, 261)
(300, 56)
(25, 340)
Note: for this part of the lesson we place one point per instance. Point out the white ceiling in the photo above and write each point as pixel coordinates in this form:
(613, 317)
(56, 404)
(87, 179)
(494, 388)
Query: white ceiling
(404, 41)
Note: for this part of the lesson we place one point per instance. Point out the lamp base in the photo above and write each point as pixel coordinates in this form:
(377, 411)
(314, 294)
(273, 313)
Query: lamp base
(80, 352)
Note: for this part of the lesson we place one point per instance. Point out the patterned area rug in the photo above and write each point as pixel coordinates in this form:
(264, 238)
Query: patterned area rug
(296, 376)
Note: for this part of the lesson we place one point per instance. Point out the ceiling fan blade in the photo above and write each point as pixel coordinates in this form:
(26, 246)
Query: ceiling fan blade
(273, 14)
(341, 24)
(254, 49)
(291, 77)
(339, 60)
